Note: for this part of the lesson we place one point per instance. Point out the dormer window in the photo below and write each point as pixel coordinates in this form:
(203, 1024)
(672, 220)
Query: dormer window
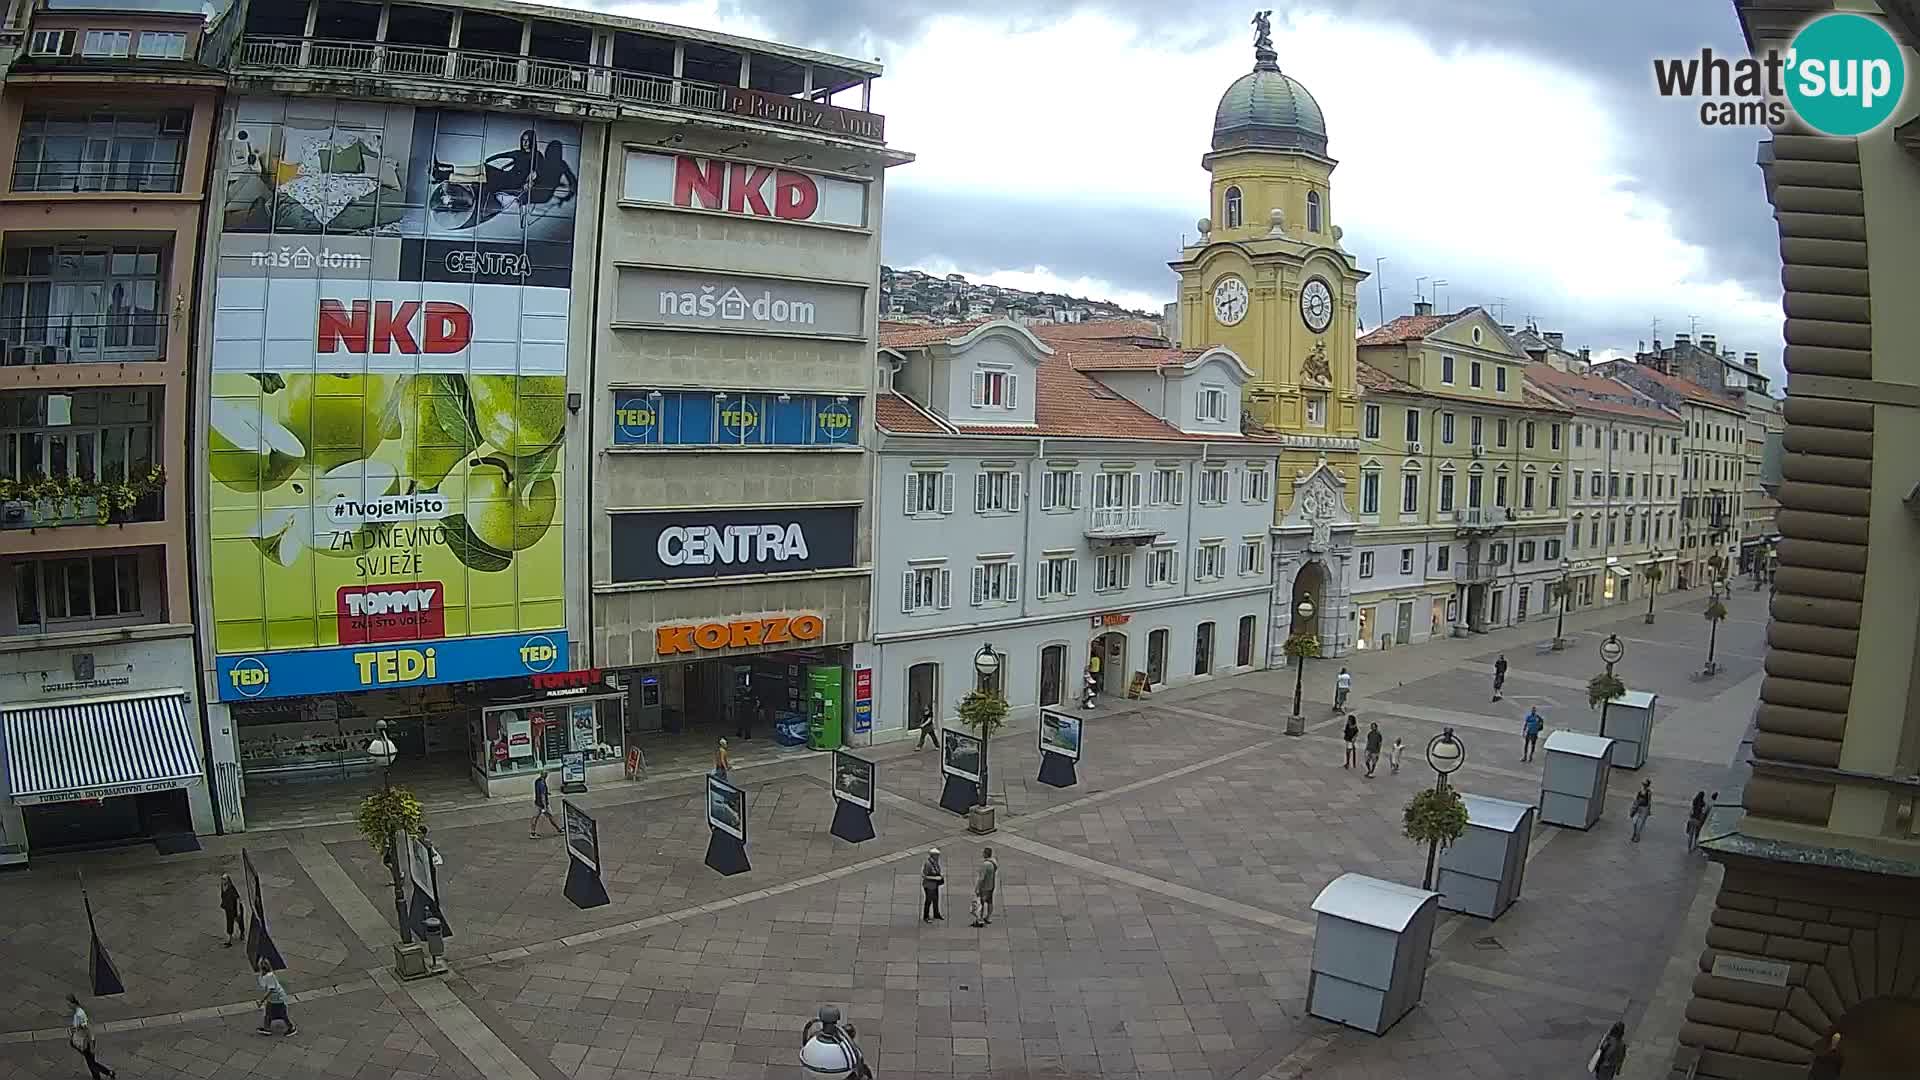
(1213, 404)
(995, 388)
(1233, 209)
(1313, 211)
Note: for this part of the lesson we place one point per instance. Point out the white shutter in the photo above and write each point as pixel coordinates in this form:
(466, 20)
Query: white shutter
(946, 493)
(1013, 390)
(979, 584)
(1013, 581)
(1073, 576)
(912, 504)
(1133, 490)
(946, 588)
(979, 492)
(1126, 570)
(1076, 492)
(1013, 489)
(1179, 486)
(979, 388)
(1040, 575)
(906, 592)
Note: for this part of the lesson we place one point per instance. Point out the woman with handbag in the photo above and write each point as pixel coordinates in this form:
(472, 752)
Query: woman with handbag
(1611, 1054)
(80, 1037)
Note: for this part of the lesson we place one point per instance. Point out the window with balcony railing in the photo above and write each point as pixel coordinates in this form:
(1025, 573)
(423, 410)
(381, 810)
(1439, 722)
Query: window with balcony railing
(78, 457)
(75, 304)
(94, 150)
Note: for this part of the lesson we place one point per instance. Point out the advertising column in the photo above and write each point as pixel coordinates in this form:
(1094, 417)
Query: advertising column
(388, 397)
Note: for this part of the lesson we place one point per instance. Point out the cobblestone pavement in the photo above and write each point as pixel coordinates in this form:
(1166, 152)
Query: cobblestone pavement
(1153, 922)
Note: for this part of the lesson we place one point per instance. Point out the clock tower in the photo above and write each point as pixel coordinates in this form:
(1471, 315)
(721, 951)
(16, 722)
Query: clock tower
(1268, 278)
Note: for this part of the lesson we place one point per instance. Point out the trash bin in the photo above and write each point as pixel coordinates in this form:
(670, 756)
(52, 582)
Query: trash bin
(1370, 946)
(1480, 873)
(1573, 783)
(433, 933)
(1630, 726)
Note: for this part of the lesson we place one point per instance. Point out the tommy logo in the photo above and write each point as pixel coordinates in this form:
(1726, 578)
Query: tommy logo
(399, 612)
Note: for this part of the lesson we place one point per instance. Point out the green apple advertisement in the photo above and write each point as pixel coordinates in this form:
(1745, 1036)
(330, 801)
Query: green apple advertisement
(386, 427)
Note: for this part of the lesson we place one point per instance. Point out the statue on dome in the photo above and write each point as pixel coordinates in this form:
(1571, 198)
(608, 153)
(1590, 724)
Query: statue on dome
(1263, 38)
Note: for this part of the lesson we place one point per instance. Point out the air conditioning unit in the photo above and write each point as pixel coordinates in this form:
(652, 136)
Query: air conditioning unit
(1413, 447)
(1479, 449)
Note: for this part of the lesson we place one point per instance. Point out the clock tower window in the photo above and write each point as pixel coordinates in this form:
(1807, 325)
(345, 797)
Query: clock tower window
(1313, 211)
(1233, 208)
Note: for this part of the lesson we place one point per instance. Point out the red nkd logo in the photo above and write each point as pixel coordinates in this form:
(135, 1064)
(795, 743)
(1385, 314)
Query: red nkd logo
(404, 611)
(753, 190)
(387, 326)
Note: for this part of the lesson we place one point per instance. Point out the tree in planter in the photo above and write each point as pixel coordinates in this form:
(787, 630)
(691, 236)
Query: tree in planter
(984, 712)
(1603, 688)
(1715, 612)
(381, 818)
(1653, 575)
(1299, 647)
(1436, 817)
(1561, 592)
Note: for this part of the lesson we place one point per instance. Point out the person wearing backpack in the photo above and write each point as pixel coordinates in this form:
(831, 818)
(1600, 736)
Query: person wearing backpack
(1530, 734)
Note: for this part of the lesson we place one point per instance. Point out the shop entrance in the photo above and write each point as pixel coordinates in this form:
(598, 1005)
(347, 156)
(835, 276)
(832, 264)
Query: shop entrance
(1157, 657)
(923, 692)
(1053, 672)
(754, 697)
(1111, 648)
(111, 822)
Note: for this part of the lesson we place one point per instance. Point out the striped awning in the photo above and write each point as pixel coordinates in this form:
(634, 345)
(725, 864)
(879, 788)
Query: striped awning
(101, 747)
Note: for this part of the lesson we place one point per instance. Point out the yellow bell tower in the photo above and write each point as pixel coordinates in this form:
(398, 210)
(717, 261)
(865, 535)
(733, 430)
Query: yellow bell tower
(1268, 277)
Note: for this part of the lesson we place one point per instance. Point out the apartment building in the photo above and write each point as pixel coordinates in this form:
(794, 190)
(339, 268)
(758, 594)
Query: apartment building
(1814, 928)
(1624, 477)
(1075, 504)
(105, 124)
(1713, 467)
(1463, 485)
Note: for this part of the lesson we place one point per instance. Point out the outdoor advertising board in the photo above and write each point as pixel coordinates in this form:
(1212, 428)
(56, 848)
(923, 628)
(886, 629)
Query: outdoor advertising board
(743, 189)
(388, 396)
(677, 545)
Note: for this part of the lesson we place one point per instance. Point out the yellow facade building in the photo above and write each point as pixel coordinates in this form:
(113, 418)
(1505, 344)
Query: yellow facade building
(1268, 279)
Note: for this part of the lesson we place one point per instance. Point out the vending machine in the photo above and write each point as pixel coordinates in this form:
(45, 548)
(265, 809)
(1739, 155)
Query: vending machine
(825, 704)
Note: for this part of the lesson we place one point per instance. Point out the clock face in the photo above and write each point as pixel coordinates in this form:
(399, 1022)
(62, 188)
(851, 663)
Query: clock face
(1230, 301)
(1316, 305)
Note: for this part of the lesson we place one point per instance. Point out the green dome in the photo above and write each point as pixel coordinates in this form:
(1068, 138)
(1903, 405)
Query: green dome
(1266, 109)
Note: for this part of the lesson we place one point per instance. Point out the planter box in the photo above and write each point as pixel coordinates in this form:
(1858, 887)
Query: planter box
(980, 819)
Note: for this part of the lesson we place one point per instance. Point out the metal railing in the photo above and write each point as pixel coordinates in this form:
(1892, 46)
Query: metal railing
(1114, 519)
(80, 510)
(1475, 569)
(468, 67)
(90, 176)
(82, 339)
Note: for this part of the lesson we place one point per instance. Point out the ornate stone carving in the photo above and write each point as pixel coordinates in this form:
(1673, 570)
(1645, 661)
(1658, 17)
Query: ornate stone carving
(1315, 365)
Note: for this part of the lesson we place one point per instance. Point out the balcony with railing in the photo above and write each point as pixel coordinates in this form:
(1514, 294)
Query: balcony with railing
(595, 61)
(1471, 571)
(1121, 525)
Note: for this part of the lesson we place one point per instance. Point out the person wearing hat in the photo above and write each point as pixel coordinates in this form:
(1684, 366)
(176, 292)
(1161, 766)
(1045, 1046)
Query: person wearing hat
(933, 874)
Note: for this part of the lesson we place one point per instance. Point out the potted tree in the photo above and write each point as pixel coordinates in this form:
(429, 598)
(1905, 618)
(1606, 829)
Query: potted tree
(383, 819)
(1652, 574)
(1561, 592)
(1436, 817)
(985, 713)
(1715, 612)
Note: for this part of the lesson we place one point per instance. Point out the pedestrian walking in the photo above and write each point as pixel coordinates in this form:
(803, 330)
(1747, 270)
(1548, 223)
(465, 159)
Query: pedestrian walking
(80, 1037)
(1394, 755)
(1696, 817)
(1499, 675)
(230, 907)
(928, 729)
(1342, 685)
(933, 875)
(542, 807)
(983, 888)
(1351, 733)
(273, 1000)
(722, 761)
(1611, 1054)
(1642, 808)
(1530, 733)
(1374, 739)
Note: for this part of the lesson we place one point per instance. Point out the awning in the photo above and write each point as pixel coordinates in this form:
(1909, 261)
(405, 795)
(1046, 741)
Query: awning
(1620, 571)
(101, 747)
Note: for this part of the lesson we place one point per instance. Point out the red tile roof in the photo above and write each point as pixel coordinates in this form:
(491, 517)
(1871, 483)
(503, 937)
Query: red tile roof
(1372, 378)
(1686, 388)
(1103, 329)
(909, 335)
(1411, 328)
(897, 414)
(1104, 356)
(1591, 393)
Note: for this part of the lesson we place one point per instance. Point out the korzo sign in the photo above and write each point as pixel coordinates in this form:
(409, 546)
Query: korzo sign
(714, 185)
(672, 545)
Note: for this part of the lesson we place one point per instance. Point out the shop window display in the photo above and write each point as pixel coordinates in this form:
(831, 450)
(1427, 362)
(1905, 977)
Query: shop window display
(535, 736)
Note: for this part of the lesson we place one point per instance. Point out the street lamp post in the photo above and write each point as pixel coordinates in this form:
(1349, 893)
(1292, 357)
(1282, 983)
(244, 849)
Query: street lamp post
(1611, 650)
(1305, 611)
(383, 750)
(1566, 594)
(827, 1048)
(1446, 752)
(986, 668)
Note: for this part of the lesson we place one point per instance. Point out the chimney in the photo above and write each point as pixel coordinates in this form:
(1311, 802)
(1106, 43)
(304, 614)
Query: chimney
(1681, 340)
(1752, 359)
(1656, 344)
(1709, 343)
(1555, 338)
(1508, 327)
(1423, 307)
(1586, 355)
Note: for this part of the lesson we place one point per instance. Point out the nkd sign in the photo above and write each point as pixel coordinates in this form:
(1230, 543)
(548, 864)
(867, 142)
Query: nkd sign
(745, 189)
(700, 301)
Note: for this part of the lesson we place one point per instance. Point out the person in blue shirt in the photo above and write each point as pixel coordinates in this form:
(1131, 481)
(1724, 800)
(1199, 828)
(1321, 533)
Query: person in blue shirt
(1530, 729)
(542, 807)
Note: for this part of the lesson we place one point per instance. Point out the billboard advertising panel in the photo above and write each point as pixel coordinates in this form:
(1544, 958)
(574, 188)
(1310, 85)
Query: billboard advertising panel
(710, 418)
(388, 394)
(743, 188)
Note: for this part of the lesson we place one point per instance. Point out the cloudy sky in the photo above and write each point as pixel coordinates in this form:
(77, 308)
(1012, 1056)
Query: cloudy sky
(1514, 148)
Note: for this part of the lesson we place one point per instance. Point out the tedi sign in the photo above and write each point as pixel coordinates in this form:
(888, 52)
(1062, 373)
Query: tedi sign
(745, 189)
(672, 545)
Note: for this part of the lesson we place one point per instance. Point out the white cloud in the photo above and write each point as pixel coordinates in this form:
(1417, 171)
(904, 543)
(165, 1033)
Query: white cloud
(1042, 279)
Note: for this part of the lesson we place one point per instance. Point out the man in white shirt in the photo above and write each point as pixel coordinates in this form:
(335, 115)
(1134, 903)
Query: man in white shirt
(273, 997)
(80, 1037)
(1342, 683)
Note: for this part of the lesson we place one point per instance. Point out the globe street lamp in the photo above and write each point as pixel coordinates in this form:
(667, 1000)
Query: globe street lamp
(1445, 754)
(986, 670)
(383, 751)
(1305, 611)
(827, 1048)
(1610, 651)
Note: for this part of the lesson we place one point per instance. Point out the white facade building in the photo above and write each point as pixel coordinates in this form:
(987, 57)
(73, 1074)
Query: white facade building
(1060, 503)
